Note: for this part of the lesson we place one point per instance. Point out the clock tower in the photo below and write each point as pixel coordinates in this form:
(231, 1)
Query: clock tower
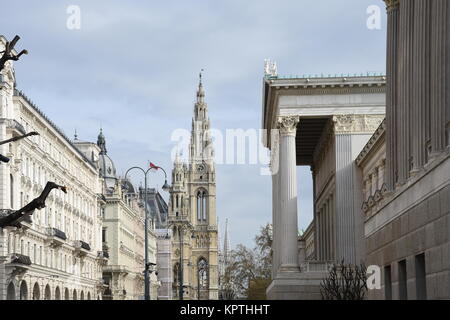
(192, 213)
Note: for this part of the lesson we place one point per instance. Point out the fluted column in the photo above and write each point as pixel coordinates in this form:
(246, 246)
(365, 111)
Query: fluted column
(275, 221)
(327, 231)
(288, 194)
(319, 235)
(439, 69)
(320, 244)
(391, 97)
(446, 112)
(333, 228)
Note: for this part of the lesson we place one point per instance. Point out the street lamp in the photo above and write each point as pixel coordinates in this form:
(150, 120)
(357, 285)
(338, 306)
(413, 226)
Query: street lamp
(147, 264)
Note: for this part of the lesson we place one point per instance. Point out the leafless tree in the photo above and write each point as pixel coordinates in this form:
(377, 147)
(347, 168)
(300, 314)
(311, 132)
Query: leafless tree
(345, 282)
(8, 53)
(14, 218)
(249, 264)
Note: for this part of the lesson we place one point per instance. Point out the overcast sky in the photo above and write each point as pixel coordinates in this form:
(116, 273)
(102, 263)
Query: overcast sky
(132, 68)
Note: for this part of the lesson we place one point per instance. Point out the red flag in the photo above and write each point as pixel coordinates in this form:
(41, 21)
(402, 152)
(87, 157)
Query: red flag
(153, 166)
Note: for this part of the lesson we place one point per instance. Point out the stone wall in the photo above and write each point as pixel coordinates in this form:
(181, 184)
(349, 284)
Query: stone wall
(425, 228)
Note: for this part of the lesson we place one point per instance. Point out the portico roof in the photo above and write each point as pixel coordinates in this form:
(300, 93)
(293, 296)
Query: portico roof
(316, 101)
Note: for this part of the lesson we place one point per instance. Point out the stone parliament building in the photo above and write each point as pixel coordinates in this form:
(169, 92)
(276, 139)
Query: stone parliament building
(379, 152)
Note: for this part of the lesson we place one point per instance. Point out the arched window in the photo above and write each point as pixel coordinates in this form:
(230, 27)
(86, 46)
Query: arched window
(48, 294)
(199, 205)
(57, 294)
(202, 205)
(202, 277)
(11, 292)
(23, 291)
(36, 292)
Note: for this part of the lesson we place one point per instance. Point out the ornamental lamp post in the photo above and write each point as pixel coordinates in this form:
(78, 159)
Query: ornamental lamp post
(147, 265)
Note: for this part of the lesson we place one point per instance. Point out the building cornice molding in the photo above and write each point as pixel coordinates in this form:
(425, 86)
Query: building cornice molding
(322, 85)
(372, 142)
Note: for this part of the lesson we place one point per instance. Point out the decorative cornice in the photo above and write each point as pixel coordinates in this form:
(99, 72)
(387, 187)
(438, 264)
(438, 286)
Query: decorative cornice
(352, 123)
(288, 125)
(392, 4)
(372, 141)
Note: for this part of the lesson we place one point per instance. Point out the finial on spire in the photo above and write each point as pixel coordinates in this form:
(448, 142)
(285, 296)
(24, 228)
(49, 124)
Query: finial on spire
(75, 137)
(200, 77)
(200, 91)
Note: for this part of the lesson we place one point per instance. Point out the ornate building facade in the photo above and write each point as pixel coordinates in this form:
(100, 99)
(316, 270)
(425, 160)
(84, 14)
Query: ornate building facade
(123, 230)
(192, 213)
(57, 254)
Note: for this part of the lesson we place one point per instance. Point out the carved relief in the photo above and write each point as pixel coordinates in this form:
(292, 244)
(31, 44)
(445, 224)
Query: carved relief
(351, 123)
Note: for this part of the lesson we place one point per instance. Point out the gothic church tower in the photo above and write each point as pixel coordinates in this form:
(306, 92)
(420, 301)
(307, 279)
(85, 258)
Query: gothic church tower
(192, 213)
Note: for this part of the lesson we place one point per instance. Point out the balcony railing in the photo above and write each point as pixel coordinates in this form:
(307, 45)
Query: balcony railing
(54, 232)
(18, 258)
(81, 247)
(14, 125)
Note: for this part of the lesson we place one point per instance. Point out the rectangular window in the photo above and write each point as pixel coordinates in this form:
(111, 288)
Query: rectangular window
(421, 282)
(387, 283)
(402, 285)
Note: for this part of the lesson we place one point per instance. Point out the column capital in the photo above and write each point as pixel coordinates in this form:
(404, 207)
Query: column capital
(288, 125)
(392, 4)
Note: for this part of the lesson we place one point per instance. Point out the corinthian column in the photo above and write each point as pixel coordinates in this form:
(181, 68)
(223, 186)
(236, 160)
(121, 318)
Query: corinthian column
(288, 194)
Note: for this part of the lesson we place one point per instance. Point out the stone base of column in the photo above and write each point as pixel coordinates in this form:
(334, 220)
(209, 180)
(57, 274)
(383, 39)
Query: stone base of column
(296, 286)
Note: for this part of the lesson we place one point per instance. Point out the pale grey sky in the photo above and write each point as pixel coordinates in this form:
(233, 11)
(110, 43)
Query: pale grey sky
(133, 69)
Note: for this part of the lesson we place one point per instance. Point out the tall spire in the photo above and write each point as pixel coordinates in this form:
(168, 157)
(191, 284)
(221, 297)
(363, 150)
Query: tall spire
(200, 91)
(201, 144)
